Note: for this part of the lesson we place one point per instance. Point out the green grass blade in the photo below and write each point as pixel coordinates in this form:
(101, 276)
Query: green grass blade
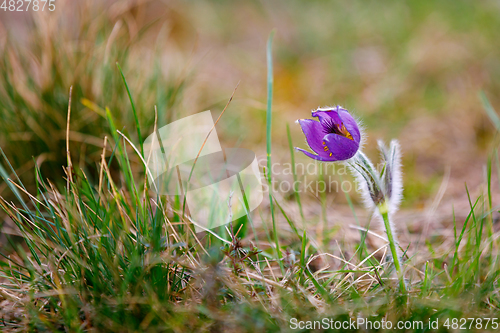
(294, 172)
(290, 222)
(138, 127)
(460, 237)
(321, 290)
(489, 110)
(426, 283)
(303, 250)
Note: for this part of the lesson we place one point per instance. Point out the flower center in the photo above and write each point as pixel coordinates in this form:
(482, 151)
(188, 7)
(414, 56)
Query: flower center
(331, 128)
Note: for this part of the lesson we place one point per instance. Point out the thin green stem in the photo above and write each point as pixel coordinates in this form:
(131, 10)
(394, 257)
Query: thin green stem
(392, 244)
(269, 56)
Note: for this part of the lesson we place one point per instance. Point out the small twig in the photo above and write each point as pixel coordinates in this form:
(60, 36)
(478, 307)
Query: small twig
(271, 282)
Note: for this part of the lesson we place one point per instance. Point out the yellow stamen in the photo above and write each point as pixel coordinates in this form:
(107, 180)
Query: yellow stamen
(330, 154)
(345, 132)
(325, 148)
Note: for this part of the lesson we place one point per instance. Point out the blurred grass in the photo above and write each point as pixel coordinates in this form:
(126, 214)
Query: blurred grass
(35, 80)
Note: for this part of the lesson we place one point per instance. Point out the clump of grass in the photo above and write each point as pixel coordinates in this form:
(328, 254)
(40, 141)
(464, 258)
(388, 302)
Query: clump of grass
(35, 76)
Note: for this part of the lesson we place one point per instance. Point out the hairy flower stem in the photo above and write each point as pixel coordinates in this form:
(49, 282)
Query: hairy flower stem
(384, 211)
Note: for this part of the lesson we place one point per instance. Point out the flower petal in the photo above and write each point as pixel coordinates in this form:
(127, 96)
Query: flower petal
(327, 116)
(340, 147)
(314, 134)
(350, 124)
(317, 157)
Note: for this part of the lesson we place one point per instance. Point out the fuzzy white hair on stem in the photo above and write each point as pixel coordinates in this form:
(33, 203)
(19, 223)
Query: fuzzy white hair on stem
(380, 190)
(394, 188)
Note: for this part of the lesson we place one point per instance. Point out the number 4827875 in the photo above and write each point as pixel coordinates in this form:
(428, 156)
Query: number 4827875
(27, 5)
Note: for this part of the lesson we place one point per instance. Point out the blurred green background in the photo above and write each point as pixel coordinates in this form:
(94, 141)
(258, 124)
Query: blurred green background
(410, 70)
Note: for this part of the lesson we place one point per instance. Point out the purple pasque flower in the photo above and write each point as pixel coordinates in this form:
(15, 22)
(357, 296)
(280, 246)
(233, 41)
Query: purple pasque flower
(335, 137)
